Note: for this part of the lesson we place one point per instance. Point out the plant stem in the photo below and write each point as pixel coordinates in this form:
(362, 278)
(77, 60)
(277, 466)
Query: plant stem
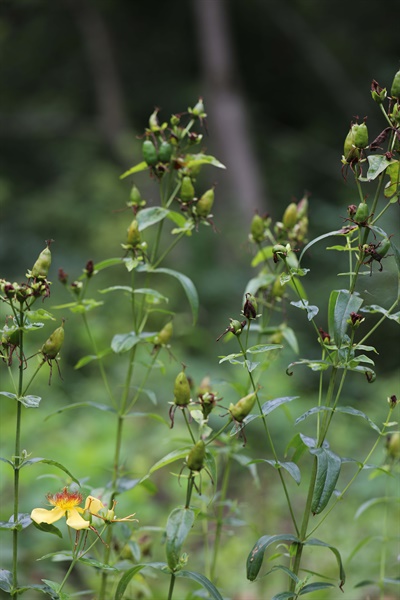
(171, 586)
(219, 517)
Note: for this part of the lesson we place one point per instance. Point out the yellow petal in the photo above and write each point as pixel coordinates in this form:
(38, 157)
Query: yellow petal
(42, 515)
(94, 505)
(75, 520)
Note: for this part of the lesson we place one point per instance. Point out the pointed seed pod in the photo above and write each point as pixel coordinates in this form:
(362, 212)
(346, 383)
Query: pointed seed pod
(153, 121)
(181, 390)
(241, 409)
(133, 238)
(187, 190)
(360, 135)
(205, 203)
(257, 228)
(164, 335)
(43, 262)
(195, 458)
(290, 216)
(395, 89)
(53, 344)
(149, 153)
(362, 213)
(165, 152)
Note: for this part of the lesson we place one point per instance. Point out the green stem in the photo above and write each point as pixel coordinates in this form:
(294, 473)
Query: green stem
(168, 250)
(188, 426)
(189, 489)
(171, 586)
(219, 517)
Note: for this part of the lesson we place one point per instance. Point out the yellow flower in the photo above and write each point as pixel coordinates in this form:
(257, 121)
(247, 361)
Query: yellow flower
(66, 503)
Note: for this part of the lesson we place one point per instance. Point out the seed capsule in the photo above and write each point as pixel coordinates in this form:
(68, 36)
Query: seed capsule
(362, 213)
(204, 204)
(164, 335)
(187, 190)
(241, 409)
(53, 344)
(250, 306)
(360, 135)
(42, 265)
(133, 238)
(393, 444)
(165, 152)
(181, 390)
(149, 153)
(290, 216)
(195, 458)
(395, 89)
(257, 228)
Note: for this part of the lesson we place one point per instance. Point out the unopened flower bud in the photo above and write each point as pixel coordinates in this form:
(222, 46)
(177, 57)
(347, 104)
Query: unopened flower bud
(302, 207)
(195, 458)
(133, 237)
(182, 390)
(355, 319)
(392, 400)
(89, 269)
(53, 344)
(241, 409)
(250, 306)
(62, 276)
(198, 109)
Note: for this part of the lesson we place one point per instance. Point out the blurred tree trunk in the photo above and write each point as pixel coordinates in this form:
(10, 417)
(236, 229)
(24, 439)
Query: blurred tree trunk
(97, 45)
(226, 106)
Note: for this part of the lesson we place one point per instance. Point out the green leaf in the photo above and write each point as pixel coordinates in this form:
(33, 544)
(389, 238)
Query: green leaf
(168, 459)
(312, 411)
(312, 311)
(262, 256)
(315, 542)
(23, 521)
(84, 306)
(328, 470)
(150, 216)
(256, 556)
(203, 159)
(56, 588)
(314, 587)
(177, 218)
(125, 580)
(318, 239)
(349, 410)
(264, 348)
(314, 365)
(122, 342)
(142, 166)
(291, 339)
(290, 467)
(97, 405)
(188, 288)
(30, 401)
(53, 463)
(6, 580)
(179, 524)
(48, 528)
(202, 580)
(362, 543)
(271, 405)
(392, 188)
(96, 564)
(39, 314)
(377, 164)
(262, 281)
(9, 395)
(374, 308)
(85, 360)
(284, 595)
(341, 304)
(374, 501)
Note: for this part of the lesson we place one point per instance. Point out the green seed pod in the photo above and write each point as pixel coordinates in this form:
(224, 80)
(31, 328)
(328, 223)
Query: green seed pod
(241, 409)
(164, 335)
(378, 94)
(362, 213)
(187, 190)
(384, 247)
(165, 152)
(349, 150)
(149, 153)
(290, 216)
(133, 237)
(52, 345)
(393, 444)
(395, 116)
(42, 265)
(395, 89)
(360, 135)
(181, 390)
(195, 458)
(198, 109)
(205, 203)
(136, 197)
(257, 228)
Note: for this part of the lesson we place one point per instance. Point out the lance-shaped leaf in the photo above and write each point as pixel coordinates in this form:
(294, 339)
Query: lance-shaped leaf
(179, 523)
(6, 580)
(312, 310)
(328, 469)
(289, 466)
(315, 542)
(318, 239)
(150, 216)
(341, 304)
(142, 166)
(203, 581)
(122, 342)
(53, 463)
(256, 556)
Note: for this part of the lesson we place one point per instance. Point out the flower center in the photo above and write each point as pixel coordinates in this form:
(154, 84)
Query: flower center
(65, 499)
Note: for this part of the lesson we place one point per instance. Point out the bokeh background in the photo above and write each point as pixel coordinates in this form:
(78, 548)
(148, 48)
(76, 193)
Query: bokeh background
(281, 81)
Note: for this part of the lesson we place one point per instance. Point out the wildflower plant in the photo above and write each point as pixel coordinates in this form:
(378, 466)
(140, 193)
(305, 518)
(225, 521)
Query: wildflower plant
(220, 430)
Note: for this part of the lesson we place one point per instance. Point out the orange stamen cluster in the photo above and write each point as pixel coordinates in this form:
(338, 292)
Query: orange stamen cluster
(65, 499)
